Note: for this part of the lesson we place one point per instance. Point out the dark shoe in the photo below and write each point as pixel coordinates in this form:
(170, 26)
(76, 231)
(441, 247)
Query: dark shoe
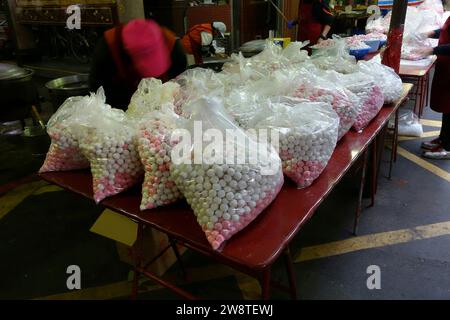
(430, 145)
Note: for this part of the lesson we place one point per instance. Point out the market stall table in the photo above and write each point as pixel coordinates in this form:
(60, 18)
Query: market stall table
(420, 76)
(255, 249)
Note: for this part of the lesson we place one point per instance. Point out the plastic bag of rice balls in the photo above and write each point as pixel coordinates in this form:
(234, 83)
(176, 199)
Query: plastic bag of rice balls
(107, 140)
(343, 101)
(369, 94)
(155, 147)
(195, 83)
(150, 95)
(232, 181)
(246, 107)
(385, 77)
(307, 134)
(64, 153)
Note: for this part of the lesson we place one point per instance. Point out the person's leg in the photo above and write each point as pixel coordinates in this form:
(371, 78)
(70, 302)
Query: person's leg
(443, 151)
(445, 131)
(437, 142)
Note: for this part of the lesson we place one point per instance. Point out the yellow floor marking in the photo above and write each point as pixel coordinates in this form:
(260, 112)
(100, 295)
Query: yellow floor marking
(45, 189)
(429, 134)
(250, 288)
(376, 240)
(12, 198)
(431, 123)
(424, 164)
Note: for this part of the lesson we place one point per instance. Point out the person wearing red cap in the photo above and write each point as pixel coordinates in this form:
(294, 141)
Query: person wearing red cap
(201, 36)
(128, 53)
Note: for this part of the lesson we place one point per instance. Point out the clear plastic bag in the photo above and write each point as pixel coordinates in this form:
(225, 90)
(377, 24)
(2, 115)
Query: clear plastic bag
(308, 133)
(343, 101)
(379, 25)
(244, 107)
(371, 99)
(385, 77)
(248, 103)
(336, 58)
(107, 140)
(64, 152)
(294, 53)
(262, 65)
(369, 95)
(194, 84)
(225, 195)
(150, 95)
(409, 125)
(155, 147)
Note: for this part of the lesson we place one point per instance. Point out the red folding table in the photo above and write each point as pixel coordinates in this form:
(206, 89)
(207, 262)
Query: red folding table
(253, 250)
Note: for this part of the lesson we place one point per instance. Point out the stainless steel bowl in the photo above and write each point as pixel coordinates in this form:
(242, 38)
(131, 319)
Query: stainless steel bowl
(70, 83)
(62, 88)
(10, 72)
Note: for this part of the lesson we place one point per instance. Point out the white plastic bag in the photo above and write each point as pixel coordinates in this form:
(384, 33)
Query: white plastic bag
(385, 77)
(150, 95)
(308, 133)
(336, 58)
(155, 147)
(245, 107)
(194, 84)
(409, 125)
(369, 95)
(64, 153)
(107, 140)
(225, 195)
(294, 53)
(379, 25)
(344, 102)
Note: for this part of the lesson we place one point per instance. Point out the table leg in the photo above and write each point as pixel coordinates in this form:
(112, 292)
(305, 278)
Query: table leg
(265, 284)
(422, 96)
(137, 252)
(394, 145)
(173, 244)
(360, 196)
(417, 103)
(396, 135)
(291, 273)
(426, 92)
(374, 172)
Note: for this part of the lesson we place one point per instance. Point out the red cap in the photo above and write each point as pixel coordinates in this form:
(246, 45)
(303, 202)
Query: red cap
(144, 41)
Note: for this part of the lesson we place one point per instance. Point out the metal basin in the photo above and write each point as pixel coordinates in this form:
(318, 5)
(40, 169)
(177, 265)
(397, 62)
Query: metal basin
(62, 88)
(18, 92)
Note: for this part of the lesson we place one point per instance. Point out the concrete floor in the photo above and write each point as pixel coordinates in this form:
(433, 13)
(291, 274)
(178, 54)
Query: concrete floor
(407, 234)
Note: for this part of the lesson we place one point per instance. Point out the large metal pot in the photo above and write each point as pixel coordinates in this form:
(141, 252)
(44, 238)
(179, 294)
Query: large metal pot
(62, 88)
(18, 92)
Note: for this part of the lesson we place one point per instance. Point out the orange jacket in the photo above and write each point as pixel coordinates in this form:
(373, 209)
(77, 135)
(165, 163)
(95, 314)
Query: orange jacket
(192, 40)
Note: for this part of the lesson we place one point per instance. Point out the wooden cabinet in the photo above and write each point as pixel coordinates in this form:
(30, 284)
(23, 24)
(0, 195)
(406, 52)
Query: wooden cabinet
(97, 16)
